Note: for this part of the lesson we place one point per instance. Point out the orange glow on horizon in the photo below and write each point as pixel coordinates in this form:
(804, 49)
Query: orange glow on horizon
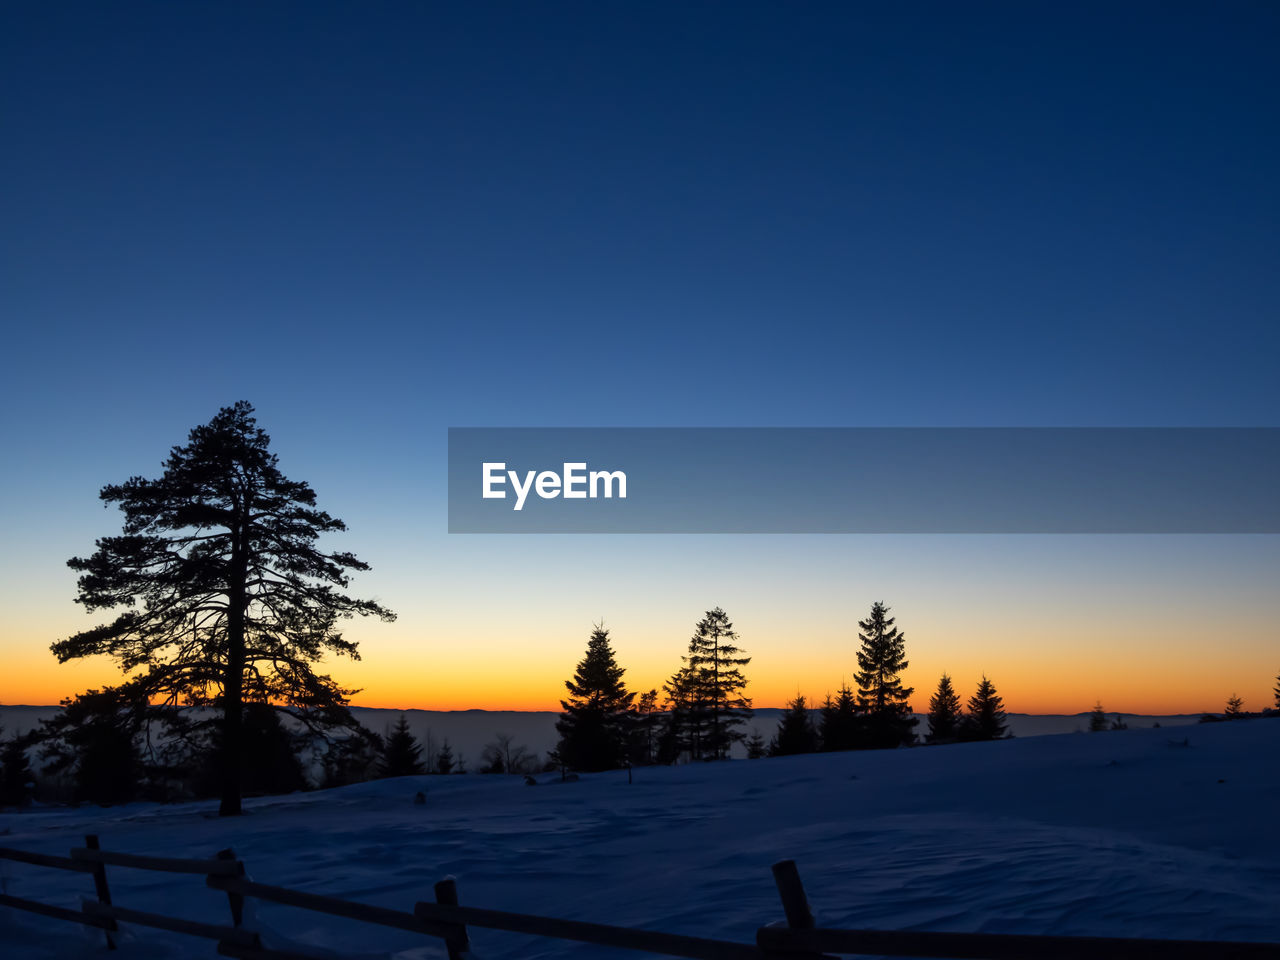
(1039, 685)
(1047, 653)
(1173, 626)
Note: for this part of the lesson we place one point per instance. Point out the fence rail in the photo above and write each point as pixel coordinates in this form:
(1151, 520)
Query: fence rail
(365, 913)
(58, 913)
(603, 935)
(1002, 946)
(216, 867)
(796, 938)
(45, 860)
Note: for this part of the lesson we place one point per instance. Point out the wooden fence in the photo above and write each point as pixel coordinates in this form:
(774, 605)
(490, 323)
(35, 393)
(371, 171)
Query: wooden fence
(796, 938)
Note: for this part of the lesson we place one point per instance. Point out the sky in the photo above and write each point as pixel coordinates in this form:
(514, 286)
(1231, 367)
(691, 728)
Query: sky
(376, 221)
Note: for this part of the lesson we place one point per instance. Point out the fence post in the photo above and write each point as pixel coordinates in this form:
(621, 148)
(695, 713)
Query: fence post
(796, 907)
(458, 943)
(234, 900)
(794, 903)
(100, 887)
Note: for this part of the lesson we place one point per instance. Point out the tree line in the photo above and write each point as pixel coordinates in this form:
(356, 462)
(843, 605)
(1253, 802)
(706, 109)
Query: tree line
(604, 726)
(93, 751)
(702, 708)
(223, 601)
(877, 714)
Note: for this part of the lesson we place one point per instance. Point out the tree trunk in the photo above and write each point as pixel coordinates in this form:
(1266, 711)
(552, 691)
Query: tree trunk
(233, 680)
(232, 752)
(715, 693)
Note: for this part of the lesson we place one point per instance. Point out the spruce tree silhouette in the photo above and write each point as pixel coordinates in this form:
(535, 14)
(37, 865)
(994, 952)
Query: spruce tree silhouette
(16, 776)
(681, 731)
(227, 597)
(1277, 691)
(881, 695)
(596, 724)
(271, 760)
(401, 752)
(796, 733)
(842, 725)
(93, 740)
(1235, 706)
(444, 759)
(944, 712)
(1098, 718)
(715, 662)
(986, 717)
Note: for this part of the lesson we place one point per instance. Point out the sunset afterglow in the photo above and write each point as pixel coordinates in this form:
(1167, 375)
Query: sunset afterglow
(413, 240)
(1058, 622)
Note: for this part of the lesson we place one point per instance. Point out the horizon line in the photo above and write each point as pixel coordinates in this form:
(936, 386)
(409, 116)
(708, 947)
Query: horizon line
(921, 713)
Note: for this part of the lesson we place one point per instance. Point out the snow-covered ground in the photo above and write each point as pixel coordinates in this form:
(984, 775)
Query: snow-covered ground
(1119, 833)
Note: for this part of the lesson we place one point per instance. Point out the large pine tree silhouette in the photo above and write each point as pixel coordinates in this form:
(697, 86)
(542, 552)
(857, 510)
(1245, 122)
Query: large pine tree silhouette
(224, 596)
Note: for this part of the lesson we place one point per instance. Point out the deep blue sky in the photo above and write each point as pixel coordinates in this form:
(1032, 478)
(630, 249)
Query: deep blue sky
(377, 220)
